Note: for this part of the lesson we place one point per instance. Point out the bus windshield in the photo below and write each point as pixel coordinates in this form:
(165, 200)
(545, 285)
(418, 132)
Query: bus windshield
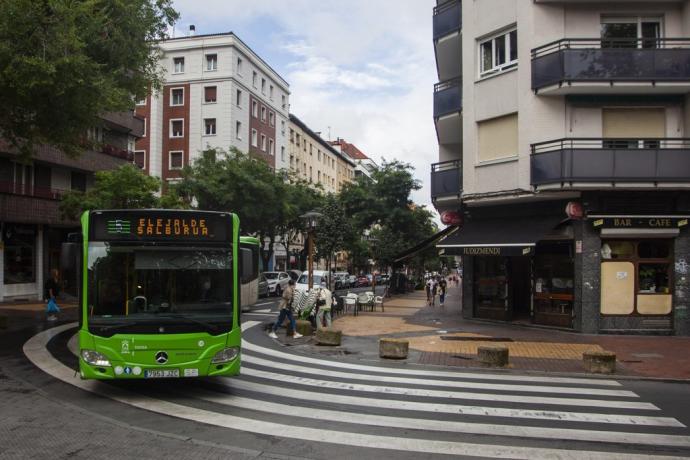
(127, 281)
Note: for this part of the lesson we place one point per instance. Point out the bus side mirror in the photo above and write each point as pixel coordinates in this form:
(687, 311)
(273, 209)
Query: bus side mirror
(246, 264)
(68, 256)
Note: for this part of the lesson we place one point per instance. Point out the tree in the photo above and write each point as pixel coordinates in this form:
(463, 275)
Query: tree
(64, 63)
(124, 188)
(331, 231)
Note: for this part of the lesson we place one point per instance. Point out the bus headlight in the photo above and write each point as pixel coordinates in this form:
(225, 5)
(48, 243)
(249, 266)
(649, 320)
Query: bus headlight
(95, 358)
(225, 355)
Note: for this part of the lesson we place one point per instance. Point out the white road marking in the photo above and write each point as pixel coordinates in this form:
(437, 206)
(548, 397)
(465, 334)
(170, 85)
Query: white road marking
(265, 310)
(35, 350)
(450, 426)
(419, 372)
(262, 304)
(438, 383)
(447, 394)
(396, 404)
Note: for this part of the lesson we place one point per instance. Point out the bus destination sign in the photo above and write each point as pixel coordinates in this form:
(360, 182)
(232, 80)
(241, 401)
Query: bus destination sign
(160, 225)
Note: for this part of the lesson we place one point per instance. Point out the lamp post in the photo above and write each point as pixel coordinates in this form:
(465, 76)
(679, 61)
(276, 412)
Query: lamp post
(310, 219)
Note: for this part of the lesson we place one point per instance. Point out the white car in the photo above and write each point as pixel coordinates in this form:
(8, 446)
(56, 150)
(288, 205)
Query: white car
(321, 278)
(277, 282)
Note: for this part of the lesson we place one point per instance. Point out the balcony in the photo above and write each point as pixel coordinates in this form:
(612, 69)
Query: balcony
(603, 163)
(446, 182)
(620, 66)
(447, 38)
(448, 97)
(34, 191)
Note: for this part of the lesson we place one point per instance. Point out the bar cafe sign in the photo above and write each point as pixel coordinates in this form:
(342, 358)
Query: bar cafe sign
(640, 222)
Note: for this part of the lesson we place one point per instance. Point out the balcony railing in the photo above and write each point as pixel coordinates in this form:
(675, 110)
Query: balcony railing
(448, 97)
(447, 18)
(446, 179)
(36, 191)
(648, 60)
(117, 152)
(611, 160)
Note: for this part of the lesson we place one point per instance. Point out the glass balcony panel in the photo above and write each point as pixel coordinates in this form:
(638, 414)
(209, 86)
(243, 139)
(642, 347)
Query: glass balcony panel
(447, 97)
(447, 18)
(446, 179)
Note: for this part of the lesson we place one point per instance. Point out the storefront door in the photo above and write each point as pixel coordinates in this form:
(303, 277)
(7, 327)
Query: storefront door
(520, 282)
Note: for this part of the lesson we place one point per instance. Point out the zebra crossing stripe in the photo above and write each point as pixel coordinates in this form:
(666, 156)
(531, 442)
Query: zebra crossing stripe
(36, 352)
(438, 383)
(451, 426)
(405, 405)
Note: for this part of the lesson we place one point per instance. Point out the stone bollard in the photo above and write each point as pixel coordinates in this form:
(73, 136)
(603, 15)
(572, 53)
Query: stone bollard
(393, 348)
(304, 327)
(328, 336)
(493, 356)
(599, 362)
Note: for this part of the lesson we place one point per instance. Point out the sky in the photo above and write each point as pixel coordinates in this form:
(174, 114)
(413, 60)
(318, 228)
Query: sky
(362, 70)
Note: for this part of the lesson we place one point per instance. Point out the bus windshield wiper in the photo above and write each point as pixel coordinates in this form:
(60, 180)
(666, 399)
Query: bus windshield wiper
(206, 324)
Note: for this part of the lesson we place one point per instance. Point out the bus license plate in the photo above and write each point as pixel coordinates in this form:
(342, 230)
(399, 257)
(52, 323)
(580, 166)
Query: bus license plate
(161, 373)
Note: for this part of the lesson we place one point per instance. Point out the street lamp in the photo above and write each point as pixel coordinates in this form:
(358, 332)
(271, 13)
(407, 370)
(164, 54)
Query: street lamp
(310, 220)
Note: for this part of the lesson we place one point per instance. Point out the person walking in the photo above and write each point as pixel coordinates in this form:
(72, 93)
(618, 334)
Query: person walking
(434, 291)
(427, 286)
(324, 304)
(52, 291)
(442, 287)
(286, 311)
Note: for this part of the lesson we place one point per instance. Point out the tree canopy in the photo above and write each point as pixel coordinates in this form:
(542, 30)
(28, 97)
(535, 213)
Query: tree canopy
(65, 62)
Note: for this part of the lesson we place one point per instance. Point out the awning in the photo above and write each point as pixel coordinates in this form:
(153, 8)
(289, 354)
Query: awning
(512, 236)
(425, 244)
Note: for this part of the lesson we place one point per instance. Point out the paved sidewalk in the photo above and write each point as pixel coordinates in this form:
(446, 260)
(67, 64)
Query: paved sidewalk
(439, 335)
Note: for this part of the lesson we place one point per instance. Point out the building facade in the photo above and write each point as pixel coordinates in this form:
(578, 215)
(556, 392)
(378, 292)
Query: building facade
(31, 227)
(564, 143)
(217, 93)
(364, 166)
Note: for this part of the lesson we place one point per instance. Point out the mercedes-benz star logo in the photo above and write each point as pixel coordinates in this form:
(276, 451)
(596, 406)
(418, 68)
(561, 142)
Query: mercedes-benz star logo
(161, 357)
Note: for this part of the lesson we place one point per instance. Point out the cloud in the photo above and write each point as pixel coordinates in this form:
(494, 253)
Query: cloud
(362, 70)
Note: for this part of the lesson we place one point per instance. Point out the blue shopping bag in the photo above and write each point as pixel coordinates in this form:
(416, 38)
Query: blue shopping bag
(52, 307)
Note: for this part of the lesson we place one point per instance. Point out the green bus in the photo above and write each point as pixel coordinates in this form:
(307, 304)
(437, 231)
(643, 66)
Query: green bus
(159, 293)
(250, 281)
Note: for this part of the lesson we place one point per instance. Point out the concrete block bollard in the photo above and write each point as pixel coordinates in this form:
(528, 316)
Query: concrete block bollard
(599, 362)
(328, 336)
(393, 348)
(493, 356)
(304, 327)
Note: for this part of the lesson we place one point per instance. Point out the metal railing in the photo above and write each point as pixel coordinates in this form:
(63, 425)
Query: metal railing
(446, 179)
(610, 160)
(35, 191)
(448, 96)
(611, 60)
(447, 18)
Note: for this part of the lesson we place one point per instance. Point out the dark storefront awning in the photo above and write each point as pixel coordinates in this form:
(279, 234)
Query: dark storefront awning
(514, 236)
(426, 243)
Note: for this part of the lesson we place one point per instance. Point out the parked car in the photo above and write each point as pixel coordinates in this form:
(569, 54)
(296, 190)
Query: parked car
(362, 281)
(294, 274)
(321, 278)
(353, 280)
(385, 279)
(263, 286)
(277, 282)
(342, 280)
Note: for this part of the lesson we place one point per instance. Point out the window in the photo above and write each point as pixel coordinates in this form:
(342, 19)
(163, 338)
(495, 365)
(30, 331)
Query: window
(271, 147)
(282, 155)
(318, 155)
(141, 101)
(263, 143)
(263, 113)
(255, 141)
(630, 32)
(633, 128)
(498, 138)
(254, 78)
(176, 128)
(292, 136)
(211, 62)
(140, 158)
(210, 126)
(239, 66)
(255, 109)
(263, 86)
(146, 123)
(282, 127)
(177, 96)
(284, 101)
(77, 181)
(176, 159)
(178, 65)
(20, 253)
(270, 92)
(238, 98)
(238, 130)
(318, 176)
(210, 94)
(271, 118)
(498, 53)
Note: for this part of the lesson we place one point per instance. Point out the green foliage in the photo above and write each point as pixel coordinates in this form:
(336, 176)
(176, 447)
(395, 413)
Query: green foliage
(124, 188)
(332, 228)
(65, 62)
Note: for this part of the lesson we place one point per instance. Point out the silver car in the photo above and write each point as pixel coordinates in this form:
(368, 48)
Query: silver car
(277, 282)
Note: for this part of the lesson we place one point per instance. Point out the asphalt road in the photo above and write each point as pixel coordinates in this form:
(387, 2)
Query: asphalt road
(292, 403)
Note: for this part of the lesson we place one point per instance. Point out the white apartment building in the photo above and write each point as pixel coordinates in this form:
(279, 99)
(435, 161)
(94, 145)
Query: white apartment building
(218, 93)
(564, 144)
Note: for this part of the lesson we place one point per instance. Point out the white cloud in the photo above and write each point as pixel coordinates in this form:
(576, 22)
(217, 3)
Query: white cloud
(363, 68)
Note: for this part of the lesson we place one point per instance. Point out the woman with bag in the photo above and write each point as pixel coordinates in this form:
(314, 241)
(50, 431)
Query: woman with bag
(52, 287)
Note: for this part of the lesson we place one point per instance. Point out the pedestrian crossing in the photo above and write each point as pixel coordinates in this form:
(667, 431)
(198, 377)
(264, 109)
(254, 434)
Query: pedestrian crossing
(405, 408)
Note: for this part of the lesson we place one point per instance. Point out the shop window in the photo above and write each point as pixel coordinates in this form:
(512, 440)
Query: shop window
(653, 278)
(617, 250)
(653, 249)
(491, 286)
(20, 254)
